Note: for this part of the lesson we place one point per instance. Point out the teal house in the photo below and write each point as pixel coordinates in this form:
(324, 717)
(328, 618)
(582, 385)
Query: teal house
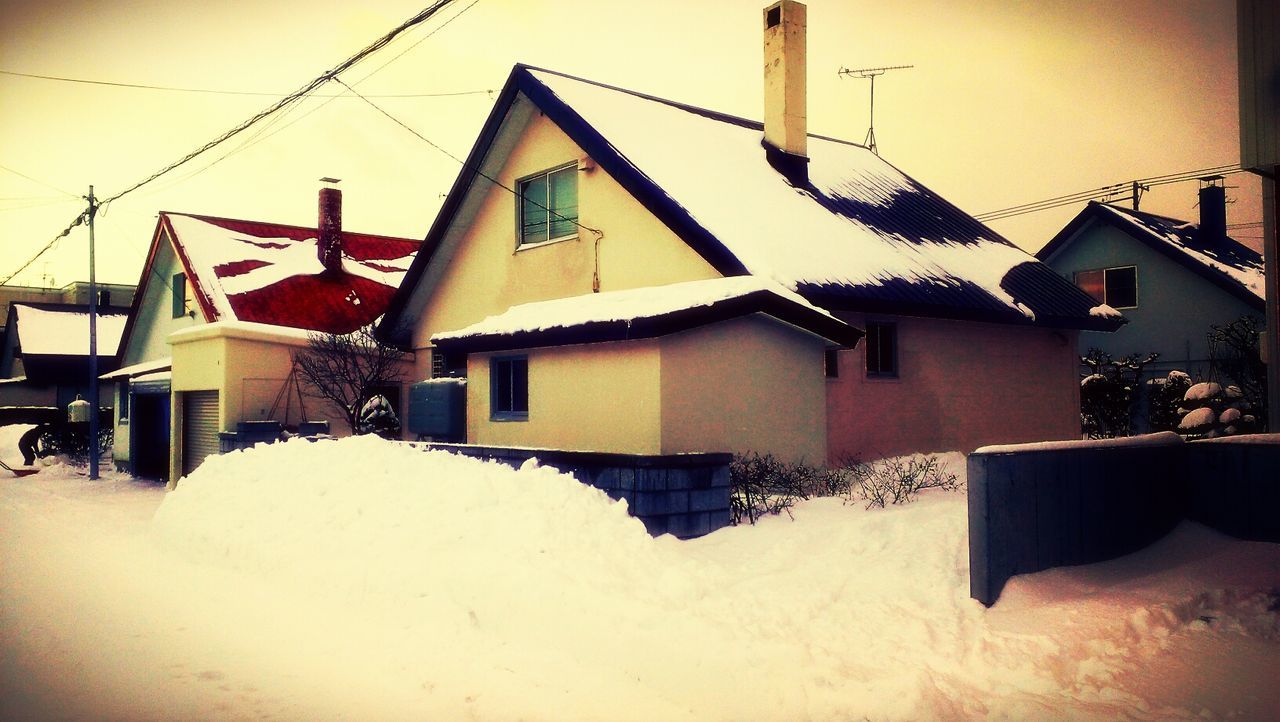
(1172, 279)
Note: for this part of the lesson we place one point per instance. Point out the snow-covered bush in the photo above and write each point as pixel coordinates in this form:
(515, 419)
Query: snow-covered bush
(1109, 393)
(900, 479)
(1208, 410)
(1164, 398)
(1235, 358)
(764, 484)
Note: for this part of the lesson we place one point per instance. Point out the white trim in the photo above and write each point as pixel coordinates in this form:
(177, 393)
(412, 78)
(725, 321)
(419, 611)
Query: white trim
(162, 364)
(244, 330)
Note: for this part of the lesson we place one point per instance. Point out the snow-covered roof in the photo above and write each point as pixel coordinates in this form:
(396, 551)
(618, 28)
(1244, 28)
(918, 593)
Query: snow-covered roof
(645, 313)
(271, 273)
(146, 367)
(1223, 260)
(858, 234)
(48, 329)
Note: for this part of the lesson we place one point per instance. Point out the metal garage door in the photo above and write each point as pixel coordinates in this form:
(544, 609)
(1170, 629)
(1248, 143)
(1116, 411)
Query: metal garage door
(199, 428)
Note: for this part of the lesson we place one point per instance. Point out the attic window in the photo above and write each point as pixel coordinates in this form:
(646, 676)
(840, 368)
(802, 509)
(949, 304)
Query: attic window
(1116, 287)
(549, 206)
(179, 294)
(773, 16)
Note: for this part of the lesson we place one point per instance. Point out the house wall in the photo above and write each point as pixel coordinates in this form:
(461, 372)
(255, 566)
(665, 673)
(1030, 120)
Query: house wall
(149, 338)
(749, 384)
(487, 274)
(593, 397)
(1175, 308)
(961, 385)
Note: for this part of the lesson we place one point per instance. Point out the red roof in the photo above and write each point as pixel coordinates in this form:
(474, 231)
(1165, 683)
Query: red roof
(270, 273)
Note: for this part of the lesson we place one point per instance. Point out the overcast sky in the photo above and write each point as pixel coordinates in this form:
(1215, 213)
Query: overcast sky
(1007, 103)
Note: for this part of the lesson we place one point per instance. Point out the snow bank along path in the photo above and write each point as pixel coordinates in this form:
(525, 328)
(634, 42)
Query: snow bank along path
(365, 579)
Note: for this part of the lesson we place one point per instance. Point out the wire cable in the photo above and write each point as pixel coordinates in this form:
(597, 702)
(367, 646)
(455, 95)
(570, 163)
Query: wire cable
(477, 171)
(293, 97)
(38, 182)
(80, 219)
(211, 91)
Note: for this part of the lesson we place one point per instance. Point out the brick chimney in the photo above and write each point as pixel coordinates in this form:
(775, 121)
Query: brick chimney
(785, 113)
(1213, 208)
(329, 227)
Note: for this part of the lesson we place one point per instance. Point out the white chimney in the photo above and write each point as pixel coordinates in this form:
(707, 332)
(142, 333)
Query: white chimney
(785, 116)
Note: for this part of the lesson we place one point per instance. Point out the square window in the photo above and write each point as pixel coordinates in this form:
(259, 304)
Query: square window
(882, 349)
(1091, 283)
(549, 206)
(179, 294)
(509, 388)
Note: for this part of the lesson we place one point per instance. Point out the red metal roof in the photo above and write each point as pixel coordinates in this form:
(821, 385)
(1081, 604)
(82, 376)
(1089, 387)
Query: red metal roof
(303, 296)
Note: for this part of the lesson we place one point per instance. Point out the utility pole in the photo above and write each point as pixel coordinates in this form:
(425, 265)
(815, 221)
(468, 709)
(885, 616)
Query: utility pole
(870, 140)
(93, 347)
(1138, 189)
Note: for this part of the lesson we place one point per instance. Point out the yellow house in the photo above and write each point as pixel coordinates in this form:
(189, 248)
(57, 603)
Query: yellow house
(576, 191)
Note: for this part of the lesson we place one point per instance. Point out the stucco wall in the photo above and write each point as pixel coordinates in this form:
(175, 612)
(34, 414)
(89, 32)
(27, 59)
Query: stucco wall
(961, 385)
(750, 384)
(1175, 306)
(594, 397)
(487, 275)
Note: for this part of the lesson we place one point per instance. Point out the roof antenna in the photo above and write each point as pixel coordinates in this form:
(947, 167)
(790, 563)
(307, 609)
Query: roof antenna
(870, 141)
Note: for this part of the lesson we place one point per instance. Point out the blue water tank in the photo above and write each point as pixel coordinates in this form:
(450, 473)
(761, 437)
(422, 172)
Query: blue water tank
(438, 409)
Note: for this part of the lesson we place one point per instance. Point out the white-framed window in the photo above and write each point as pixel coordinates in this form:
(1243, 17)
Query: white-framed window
(548, 206)
(509, 388)
(1117, 287)
(882, 350)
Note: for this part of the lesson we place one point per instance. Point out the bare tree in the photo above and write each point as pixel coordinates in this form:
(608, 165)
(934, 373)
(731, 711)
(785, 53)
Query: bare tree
(349, 369)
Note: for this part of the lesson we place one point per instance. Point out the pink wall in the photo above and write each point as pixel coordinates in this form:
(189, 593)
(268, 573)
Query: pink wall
(960, 385)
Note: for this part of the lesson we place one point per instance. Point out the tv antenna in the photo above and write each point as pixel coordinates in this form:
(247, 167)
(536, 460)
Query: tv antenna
(870, 141)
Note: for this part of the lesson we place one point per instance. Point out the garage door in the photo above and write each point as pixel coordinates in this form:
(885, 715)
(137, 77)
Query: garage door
(199, 428)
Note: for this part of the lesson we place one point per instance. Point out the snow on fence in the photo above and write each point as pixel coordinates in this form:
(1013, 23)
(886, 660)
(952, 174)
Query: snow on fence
(1038, 506)
(686, 495)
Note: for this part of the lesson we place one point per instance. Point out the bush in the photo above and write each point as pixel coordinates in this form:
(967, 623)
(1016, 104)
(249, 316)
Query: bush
(760, 485)
(1164, 399)
(900, 479)
(1109, 393)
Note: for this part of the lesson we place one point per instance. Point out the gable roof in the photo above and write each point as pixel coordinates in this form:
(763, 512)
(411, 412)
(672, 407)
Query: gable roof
(270, 273)
(1225, 262)
(62, 329)
(858, 234)
(641, 313)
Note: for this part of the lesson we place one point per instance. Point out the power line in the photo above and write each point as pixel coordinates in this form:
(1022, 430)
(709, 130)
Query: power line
(39, 182)
(80, 219)
(477, 171)
(293, 97)
(211, 91)
(1103, 191)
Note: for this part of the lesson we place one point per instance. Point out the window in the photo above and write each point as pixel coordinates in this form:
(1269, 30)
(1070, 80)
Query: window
(123, 389)
(882, 350)
(1116, 287)
(448, 365)
(509, 388)
(549, 206)
(179, 294)
(831, 364)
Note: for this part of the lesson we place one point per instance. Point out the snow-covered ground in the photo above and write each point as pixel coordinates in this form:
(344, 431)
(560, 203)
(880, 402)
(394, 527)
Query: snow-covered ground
(360, 579)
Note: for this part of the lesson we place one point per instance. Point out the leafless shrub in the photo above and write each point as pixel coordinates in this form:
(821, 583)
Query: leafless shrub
(898, 480)
(349, 369)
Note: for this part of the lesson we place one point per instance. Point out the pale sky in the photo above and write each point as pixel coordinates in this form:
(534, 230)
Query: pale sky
(1008, 102)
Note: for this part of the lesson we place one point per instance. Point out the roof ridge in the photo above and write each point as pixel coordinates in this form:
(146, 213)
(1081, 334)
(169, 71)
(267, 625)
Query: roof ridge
(215, 219)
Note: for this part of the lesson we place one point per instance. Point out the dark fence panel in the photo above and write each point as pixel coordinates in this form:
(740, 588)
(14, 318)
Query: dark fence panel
(686, 495)
(1038, 506)
(1235, 485)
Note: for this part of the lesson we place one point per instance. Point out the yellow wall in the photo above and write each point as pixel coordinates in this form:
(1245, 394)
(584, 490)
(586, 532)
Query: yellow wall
(750, 384)
(487, 275)
(594, 397)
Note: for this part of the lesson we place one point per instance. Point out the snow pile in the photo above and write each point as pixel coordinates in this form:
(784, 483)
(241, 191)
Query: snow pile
(623, 305)
(43, 331)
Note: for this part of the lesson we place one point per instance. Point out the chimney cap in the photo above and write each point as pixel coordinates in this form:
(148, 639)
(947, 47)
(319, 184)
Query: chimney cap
(327, 179)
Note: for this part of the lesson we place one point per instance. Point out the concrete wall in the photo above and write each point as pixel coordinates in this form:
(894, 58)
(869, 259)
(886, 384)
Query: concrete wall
(1175, 306)
(749, 384)
(487, 274)
(594, 397)
(960, 385)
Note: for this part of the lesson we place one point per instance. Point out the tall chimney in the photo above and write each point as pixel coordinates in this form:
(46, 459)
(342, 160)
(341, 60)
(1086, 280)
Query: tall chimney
(1213, 208)
(329, 227)
(785, 115)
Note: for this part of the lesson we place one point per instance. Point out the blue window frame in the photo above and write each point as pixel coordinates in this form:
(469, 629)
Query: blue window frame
(509, 388)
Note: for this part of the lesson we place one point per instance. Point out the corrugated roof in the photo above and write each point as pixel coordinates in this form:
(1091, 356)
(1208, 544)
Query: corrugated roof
(857, 234)
(1231, 265)
(270, 273)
